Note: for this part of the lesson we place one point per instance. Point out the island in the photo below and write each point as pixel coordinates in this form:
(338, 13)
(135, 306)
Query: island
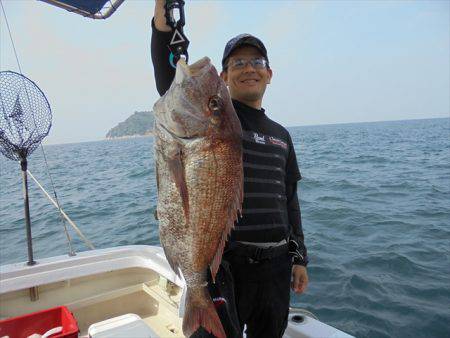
(138, 124)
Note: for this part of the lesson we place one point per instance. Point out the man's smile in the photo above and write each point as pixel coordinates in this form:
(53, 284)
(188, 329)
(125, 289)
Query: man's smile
(249, 81)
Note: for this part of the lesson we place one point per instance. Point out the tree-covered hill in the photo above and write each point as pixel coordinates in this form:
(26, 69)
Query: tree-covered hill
(138, 124)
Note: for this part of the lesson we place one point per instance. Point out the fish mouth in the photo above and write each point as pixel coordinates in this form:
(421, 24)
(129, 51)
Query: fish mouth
(185, 138)
(198, 67)
(185, 71)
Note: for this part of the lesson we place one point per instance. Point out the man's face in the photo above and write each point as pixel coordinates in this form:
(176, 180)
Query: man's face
(247, 84)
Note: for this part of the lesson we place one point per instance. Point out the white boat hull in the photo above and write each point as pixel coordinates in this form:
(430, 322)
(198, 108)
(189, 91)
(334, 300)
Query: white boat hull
(106, 283)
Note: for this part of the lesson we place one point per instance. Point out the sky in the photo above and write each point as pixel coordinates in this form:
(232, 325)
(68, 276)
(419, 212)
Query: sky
(333, 61)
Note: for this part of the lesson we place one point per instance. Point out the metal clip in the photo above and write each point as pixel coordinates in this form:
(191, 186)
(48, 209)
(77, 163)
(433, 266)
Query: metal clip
(179, 42)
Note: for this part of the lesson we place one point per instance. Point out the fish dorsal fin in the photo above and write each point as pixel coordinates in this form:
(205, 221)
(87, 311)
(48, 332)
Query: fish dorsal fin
(214, 266)
(176, 167)
(235, 210)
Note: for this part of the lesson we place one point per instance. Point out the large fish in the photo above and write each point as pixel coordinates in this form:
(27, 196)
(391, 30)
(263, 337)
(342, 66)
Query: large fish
(198, 148)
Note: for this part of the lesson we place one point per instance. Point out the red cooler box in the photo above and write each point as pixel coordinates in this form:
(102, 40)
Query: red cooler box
(41, 322)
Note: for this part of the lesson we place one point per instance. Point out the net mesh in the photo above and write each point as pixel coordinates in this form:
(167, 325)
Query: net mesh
(25, 115)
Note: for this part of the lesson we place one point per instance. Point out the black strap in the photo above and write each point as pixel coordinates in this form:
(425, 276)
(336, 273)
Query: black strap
(256, 253)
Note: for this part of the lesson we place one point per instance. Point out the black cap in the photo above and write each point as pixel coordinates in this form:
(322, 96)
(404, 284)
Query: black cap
(241, 40)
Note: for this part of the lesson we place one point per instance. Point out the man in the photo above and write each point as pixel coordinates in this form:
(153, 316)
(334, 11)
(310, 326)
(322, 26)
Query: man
(265, 249)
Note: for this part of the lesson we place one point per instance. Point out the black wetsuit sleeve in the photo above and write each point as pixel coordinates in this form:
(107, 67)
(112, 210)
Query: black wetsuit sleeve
(297, 246)
(164, 72)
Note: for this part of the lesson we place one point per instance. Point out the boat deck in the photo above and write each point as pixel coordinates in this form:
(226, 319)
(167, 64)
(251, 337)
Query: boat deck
(98, 297)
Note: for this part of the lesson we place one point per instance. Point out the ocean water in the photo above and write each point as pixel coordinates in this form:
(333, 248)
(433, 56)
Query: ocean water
(375, 201)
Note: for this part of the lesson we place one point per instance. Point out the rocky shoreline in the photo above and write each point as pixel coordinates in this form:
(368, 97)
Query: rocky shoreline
(140, 123)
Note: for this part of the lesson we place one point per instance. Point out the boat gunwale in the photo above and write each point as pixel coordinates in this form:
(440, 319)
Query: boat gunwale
(18, 276)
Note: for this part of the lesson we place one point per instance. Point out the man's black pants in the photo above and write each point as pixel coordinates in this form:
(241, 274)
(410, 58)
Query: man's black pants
(255, 294)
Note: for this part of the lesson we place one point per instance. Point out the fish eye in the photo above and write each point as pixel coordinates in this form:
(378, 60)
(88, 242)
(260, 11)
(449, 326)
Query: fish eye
(215, 104)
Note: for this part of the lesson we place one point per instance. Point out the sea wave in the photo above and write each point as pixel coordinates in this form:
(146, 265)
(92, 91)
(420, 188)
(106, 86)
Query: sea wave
(375, 213)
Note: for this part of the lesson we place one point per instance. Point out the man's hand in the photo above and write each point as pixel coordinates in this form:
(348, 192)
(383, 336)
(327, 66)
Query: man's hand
(299, 278)
(160, 19)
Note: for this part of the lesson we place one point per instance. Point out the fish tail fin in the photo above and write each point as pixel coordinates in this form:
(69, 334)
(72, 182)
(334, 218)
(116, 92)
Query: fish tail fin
(200, 311)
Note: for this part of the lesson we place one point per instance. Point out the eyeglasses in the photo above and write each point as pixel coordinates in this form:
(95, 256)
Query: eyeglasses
(257, 63)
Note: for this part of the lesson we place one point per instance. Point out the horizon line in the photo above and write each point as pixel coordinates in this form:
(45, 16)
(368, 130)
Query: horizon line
(296, 126)
(377, 121)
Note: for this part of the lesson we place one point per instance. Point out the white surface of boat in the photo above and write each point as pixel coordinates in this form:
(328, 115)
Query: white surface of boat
(98, 285)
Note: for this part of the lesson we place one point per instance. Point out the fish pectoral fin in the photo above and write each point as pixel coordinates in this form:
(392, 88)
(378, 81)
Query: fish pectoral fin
(176, 168)
(157, 175)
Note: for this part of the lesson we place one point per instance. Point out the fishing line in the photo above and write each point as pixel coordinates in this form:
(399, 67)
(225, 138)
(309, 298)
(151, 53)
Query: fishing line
(10, 36)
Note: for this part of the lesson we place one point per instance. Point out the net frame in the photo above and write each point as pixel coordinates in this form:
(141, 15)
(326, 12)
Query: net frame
(25, 115)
